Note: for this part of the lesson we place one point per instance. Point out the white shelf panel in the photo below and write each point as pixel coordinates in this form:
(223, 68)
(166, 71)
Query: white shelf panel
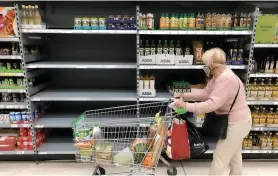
(8, 125)
(13, 105)
(83, 65)
(266, 45)
(262, 102)
(9, 39)
(192, 32)
(265, 129)
(12, 90)
(17, 152)
(57, 145)
(56, 121)
(264, 75)
(145, 67)
(85, 95)
(72, 31)
(10, 57)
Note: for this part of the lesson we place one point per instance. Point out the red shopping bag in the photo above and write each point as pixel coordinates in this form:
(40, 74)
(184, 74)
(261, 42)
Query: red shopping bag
(177, 143)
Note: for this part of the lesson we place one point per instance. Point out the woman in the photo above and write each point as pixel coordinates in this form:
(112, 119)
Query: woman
(218, 96)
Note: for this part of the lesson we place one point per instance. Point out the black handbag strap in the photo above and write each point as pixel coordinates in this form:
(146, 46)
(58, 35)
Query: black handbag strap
(235, 97)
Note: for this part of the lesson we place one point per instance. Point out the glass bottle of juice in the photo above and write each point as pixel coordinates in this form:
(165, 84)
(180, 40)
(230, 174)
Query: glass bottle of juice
(24, 15)
(173, 21)
(147, 48)
(268, 90)
(249, 142)
(162, 21)
(31, 17)
(178, 49)
(141, 50)
(185, 21)
(275, 90)
(177, 21)
(167, 21)
(276, 66)
(267, 64)
(165, 47)
(256, 117)
(147, 82)
(270, 117)
(153, 48)
(172, 48)
(181, 19)
(38, 19)
(159, 47)
(254, 90)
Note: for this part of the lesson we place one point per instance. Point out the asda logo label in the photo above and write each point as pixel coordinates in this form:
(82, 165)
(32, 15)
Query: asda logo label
(164, 61)
(146, 60)
(183, 62)
(146, 93)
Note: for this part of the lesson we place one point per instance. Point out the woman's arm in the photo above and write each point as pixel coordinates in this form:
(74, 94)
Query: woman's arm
(201, 95)
(216, 99)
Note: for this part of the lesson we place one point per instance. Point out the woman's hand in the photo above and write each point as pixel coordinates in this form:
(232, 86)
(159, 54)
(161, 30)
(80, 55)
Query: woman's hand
(180, 104)
(178, 95)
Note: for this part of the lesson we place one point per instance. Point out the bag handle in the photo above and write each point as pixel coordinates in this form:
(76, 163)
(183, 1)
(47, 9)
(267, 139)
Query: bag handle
(235, 97)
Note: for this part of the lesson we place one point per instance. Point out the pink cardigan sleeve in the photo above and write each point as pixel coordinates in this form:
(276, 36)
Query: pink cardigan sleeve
(201, 95)
(216, 99)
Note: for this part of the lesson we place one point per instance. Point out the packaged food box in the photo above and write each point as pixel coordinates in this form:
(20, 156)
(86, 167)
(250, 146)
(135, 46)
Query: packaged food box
(7, 143)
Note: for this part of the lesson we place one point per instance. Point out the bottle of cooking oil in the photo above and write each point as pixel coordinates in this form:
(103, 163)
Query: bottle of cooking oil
(275, 120)
(24, 15)
(245, 143)
(269, 141)
(275, 141)
(270, 117)
(261, 90)
(159, 47)
(263, 117)
(172, 48)
(275, 90)
(268, 90)
(30, 14)
(37, 16)
(256, 117)
(165, 47)
(147, 48)
(153, 50)
(254, 89)
(264, 141)
(142, 48)
(249, 142)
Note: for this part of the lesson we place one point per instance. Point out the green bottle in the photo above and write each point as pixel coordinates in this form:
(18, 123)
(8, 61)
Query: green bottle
(185, 21)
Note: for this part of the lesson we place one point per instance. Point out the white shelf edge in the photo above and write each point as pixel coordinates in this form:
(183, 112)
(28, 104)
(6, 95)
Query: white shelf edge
(186, 67)
(72, 31)
(12, 91)
(9, 39)
(12, 74)
(264, 75)
(193, 32)
(10, 57)
(17, 152)
(266, 45)
(262, 102)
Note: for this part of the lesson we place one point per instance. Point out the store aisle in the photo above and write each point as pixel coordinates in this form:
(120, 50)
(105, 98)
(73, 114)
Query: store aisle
(79, 169)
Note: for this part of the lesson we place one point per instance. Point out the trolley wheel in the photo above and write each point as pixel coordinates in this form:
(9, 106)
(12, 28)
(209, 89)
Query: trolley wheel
(172, 170)
(101, 171)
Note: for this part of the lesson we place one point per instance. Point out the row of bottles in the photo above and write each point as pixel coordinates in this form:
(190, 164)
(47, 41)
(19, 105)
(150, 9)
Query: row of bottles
(147, 82)
(261, 140)
(209, 21)
(265, 65)
(173, 48)
(263, 89)
(31, 15)
(264, 116)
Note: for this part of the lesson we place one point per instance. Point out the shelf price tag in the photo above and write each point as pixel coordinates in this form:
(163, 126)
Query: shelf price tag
(25, 125)
(20, 152)
(81, 66)
(14, 125)
(2, 106)
(21, 107)
(38, 126)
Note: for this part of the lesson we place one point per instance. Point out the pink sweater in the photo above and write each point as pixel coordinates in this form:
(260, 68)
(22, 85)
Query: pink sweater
(219, 95)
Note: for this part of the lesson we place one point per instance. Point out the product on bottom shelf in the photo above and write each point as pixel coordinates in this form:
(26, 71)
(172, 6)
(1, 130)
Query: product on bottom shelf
(261, 141)
(12, 97)
(147, 86)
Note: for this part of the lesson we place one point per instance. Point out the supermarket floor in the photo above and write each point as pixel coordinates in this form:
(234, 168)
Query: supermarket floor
(269, 168)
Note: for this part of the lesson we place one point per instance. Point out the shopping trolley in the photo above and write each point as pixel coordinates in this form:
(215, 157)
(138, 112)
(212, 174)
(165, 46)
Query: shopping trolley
(126, 136)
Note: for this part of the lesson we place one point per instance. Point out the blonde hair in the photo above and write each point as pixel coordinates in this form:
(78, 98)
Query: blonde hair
(214, 57)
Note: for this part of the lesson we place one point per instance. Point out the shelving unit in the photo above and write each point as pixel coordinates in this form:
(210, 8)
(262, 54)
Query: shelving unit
(91, 69)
